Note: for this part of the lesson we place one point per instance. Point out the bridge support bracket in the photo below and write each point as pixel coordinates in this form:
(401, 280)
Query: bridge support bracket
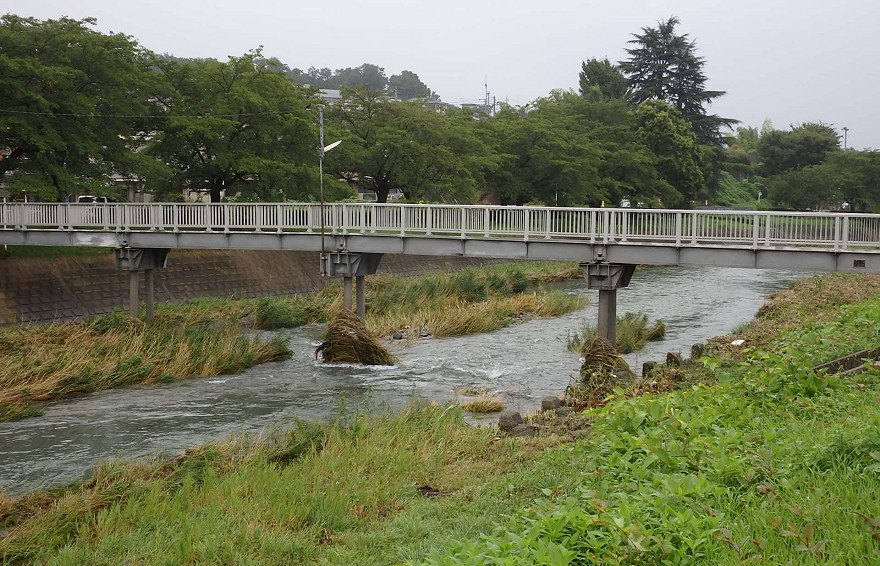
(136, 260)
(607, 278)
(351, 266)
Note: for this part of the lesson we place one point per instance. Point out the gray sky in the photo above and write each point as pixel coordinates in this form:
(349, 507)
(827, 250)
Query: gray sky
(787, 60)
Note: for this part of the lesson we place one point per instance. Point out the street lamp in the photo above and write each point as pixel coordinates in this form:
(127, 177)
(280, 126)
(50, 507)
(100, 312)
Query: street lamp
(845, 130)
(322, 149)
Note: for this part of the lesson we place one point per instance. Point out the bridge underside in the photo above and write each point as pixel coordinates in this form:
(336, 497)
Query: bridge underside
(631, 252)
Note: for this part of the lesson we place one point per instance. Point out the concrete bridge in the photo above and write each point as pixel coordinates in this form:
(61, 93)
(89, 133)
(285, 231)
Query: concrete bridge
(352, 237)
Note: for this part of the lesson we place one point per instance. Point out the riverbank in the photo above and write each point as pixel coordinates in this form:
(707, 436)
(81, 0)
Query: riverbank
(208, 337)
(768, 460)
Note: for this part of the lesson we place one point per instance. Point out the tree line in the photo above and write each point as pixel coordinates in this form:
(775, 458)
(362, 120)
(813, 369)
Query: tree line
(78, 107)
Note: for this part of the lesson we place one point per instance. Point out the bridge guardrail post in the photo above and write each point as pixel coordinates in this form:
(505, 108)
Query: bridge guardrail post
(845, 239)
(694, 228)
(486, 221)
(837, 233)
(526, 220)
(428, 220)
(463, 221)
(593, 228)
(768, 219)
(403, 210)
(678, 228)
(756, 230)
(547, 227)
(624, 227)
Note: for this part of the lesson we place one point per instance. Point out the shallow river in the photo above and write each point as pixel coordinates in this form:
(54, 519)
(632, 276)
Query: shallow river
(521, 364)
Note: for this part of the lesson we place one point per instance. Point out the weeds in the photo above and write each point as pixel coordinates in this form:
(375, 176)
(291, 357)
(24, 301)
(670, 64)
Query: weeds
(633, 332)
(484, 404)
(44, 363)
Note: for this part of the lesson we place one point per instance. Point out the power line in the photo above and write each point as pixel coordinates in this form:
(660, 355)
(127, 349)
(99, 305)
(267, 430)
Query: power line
(168, 116)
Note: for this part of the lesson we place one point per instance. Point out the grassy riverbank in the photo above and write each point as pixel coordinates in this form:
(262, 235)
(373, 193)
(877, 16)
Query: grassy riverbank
(206, 337)
(767, 463)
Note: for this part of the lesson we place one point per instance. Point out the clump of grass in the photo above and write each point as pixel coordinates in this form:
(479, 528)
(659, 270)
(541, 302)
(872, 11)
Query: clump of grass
(348, 340)
(633, 332)
(601, 372)
(42, 363)
(484, 404)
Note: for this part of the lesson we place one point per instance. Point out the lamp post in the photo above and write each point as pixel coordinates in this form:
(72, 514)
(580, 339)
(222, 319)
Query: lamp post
(845, 130)
(322, 149)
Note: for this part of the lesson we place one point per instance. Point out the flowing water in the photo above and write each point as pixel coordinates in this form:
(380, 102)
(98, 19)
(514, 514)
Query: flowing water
(520, 363)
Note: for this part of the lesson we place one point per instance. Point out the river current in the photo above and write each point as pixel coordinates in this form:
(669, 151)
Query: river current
(521, 364)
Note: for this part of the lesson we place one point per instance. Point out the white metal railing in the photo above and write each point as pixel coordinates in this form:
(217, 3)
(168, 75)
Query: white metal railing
(606, 225)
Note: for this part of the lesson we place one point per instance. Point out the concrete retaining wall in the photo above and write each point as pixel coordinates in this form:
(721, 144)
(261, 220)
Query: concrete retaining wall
(72, 287)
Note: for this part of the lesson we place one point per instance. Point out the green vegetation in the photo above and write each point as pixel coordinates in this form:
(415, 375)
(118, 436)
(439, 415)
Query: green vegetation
(43, 363)
(765, 462)
(633, 332)
(469, 301)
(484, 404)
(773, 463)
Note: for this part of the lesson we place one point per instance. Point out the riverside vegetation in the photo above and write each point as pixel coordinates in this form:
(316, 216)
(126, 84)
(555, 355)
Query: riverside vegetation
(209, 336)
(757, 459)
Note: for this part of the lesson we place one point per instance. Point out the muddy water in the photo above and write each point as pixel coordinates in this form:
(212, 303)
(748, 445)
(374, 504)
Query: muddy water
(521, 364)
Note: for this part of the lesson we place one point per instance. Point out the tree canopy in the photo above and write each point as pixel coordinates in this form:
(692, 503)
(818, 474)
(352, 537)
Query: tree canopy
(602, 80)
(664, 65)
(407, 85)
(73, 102)
(805, 144)
(233, 125)
(401, 145)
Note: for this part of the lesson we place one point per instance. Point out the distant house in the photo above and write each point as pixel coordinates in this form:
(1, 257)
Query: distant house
(330, 95)
(480, 111)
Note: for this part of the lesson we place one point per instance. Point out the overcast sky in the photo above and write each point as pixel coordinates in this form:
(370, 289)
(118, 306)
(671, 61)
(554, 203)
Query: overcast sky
(787, 60)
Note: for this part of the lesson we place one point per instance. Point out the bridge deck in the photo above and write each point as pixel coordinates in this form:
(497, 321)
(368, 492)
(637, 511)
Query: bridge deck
(812, 241)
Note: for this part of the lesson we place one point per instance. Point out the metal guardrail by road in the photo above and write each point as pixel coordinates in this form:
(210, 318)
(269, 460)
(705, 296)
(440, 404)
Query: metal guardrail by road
(825, 231)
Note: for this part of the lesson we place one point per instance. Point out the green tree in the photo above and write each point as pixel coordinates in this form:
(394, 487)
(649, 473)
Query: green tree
(70, 98)
(805, 144)
(806, 188)
(680, 159)
(407, 85)
(234, 126)
(663, 65)
(741, 158)
(542, 155)
(602, 80)
(401, 145)
(857, 178)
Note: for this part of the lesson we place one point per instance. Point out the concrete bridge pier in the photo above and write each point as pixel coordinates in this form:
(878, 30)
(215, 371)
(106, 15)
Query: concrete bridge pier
(136, 260)
(352, 267)
(607, 278)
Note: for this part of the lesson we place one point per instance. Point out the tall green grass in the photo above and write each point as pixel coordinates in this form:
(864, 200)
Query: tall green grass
(286, 498)
(633, 332)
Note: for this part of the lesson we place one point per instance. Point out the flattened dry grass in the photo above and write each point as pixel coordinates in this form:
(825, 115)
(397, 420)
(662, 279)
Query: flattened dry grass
(43, 363)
